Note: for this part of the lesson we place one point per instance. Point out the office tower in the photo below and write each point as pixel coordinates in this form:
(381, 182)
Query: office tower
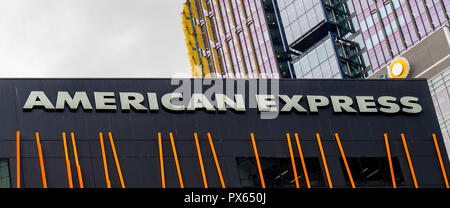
(412, 32)
(273, 39)
(375, 31)
(305, 39)
(383, 33)
(323, 38)
(389, 28)
(232, 39)
(428, 59)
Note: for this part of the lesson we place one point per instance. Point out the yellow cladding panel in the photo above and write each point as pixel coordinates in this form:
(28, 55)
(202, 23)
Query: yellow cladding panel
(216, 60)
(187, 24)
(205, 67)
(185, 29)
(186, 32)
(196, 57)
(193, 9)
(189, 45)
(193, 37)
(192, 64)
(192, 41)
(186, 10)
(208, 23)
(200, 42)
(197, 71)
(191, 61)
(204, 3)
(189, 27)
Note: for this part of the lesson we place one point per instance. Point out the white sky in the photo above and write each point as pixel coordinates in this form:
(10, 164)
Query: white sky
(92, 38)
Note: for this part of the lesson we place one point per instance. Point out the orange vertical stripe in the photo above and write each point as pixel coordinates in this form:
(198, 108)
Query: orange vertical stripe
(388, 150)
(200, 160)
(41, 161)
(213, 150)
(161, 161)
(255, 149)
(305, 171)
(77, 163)
(119, 170)
(66, 154)
(18, 159)
(411, 167)
(438, 152)
(345, 160)
(177, 164)
(294, 167)
(105, 165)
(324, 160)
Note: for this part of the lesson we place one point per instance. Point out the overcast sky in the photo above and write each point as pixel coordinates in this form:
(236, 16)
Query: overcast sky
(92, 38)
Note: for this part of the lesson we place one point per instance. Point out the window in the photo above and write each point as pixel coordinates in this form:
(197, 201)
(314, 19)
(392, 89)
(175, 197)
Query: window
(208, 5)
(4, 174)
(313, 58)
(396, 4)
(278, 172)
(205, 37)
(329, 47)
(322, 53)
(370, 22)
(212, 25)
(221, 69)
(210, 67)
(297, 69)
(372, 172)
(199, 9)
(304, 65)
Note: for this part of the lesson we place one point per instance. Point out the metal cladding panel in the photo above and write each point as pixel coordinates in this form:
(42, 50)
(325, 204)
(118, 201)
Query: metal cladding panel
(135, 133)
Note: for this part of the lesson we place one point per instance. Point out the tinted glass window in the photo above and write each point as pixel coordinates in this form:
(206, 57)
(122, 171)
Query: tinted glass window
(278, 172)
(4, 174)
(373, 172)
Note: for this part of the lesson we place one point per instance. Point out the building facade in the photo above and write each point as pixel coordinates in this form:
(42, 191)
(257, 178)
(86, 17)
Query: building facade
(133, 133)
(429, 59)
(416, 31)
(352, 39)
(379, 31)
(232, 39)
(389, 28)
(301, 39)
(312, 39)
(323, 38)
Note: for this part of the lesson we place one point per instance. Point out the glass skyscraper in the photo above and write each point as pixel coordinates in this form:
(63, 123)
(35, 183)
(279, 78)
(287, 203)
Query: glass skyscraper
(440, 92)
(391, 27)
(323, 38)
(231, 39)
(395, 28)
(273, 39)
(304, 39)
(313, 39)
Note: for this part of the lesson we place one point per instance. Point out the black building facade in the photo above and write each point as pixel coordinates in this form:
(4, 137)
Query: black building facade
(142, 133)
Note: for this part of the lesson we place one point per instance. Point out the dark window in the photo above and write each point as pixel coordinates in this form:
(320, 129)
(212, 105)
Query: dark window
(208, 5)
(373, 172)
(278, 172)
(4, 174)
